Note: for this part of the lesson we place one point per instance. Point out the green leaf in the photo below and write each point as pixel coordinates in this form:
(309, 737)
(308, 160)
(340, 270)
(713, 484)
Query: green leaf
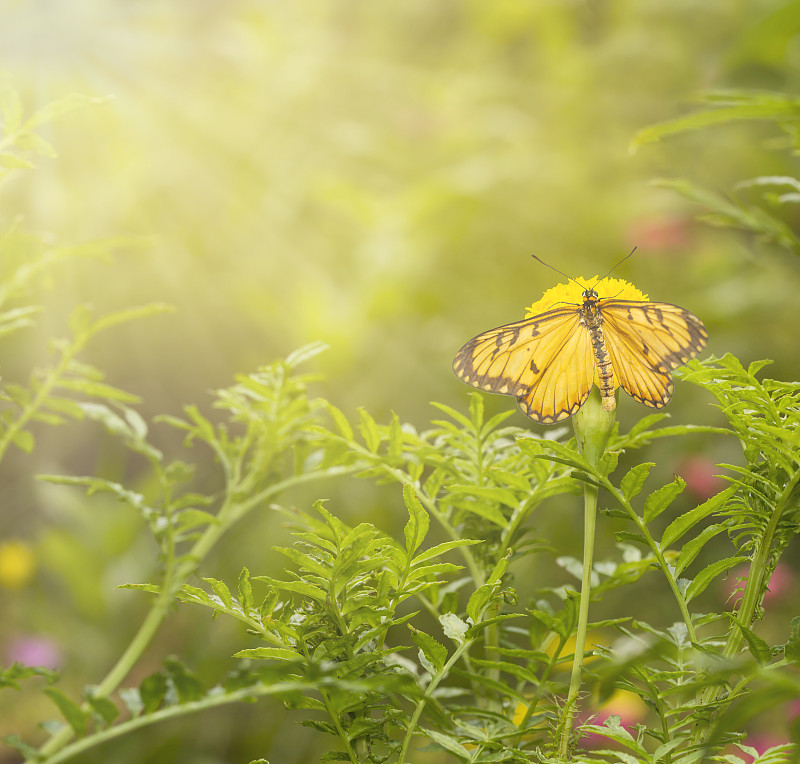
(103, 708)
(76, 717)
(369, 430)
(792, 647)
(10, 676)
(24, 440)
(701, 581)
(453, 626)
(13, 162)
(298, 587)
(759, 649)
(245, 591)
(659, 500)
(222, 592)
(687, 520)
(479, 599)
(439, 549)
(448, 742)
(692, 547)
(153, 690)
(418, 520)
(188, 687)
(633, 481)
(770, 106)
(433, 654)
(270, 653)
(345, 430)
(306, 353)
(28, 751)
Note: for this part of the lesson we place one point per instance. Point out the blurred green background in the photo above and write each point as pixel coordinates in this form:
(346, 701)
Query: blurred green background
(375, 175)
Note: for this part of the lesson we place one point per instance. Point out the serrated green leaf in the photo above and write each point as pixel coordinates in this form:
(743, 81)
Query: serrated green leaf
(440, 549)
(191, 518)
(369, 430)
(97, 390)
(340, 420)
(632, 483)
(759, 649)
(687, 520)
(186, 684)
(701, 581)
(448, 742)
(270, 653)
(792, 647)
(17, 743)
(13, 162)
(692, 547)
(103, 708)
(9, 677)
(660, 499)
(245, 591)
(419, 520)
(433, 569)
(153, 690)
(306, 353)
(433, 652)
(298, 587)
(76, 717)
(222, 591)
(479, 599)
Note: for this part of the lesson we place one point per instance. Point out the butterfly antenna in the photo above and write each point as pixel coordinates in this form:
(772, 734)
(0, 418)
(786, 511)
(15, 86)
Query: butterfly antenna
(618, 264)
(552, 267)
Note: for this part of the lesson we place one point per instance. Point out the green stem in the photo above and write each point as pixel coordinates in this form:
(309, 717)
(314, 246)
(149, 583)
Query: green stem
(589, 523)
(592, 425)
(429, 690)
(182, 709)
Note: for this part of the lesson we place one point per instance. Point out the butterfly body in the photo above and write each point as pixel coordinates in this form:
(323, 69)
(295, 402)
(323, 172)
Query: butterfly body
(550, 362)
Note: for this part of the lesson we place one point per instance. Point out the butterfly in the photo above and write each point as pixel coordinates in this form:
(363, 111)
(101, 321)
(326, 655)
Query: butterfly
(551, 361)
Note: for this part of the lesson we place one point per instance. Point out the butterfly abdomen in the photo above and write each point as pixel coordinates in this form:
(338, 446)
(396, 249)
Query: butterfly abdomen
(592, 319)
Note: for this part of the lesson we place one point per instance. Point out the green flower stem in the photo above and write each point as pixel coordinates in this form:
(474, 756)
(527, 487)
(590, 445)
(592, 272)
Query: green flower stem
(592, 428)
(589, 521)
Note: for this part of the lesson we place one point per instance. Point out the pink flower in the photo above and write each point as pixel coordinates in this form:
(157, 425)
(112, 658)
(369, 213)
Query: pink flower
(781, 582)
(34, 651)
(659, 233)
(698, 472)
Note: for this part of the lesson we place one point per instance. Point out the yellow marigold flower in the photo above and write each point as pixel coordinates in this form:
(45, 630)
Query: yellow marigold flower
(17, 563)
(572, 292)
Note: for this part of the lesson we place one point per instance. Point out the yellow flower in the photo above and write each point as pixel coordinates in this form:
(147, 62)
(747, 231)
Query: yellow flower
(17, 563)
(573, 293)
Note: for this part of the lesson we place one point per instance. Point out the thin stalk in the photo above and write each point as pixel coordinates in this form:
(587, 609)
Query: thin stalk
(429, 690)
(182, 709)
(589, 524)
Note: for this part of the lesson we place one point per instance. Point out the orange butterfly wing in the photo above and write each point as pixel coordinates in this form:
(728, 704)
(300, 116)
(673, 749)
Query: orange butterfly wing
(546, 362)
(645, 341)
